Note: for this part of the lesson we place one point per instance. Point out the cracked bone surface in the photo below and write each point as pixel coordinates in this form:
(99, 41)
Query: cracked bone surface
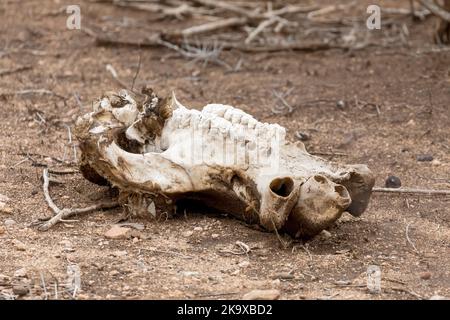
(162, 155)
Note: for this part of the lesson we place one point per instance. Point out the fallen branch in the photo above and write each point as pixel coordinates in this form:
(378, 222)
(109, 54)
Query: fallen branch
(156, 40)
(61, 214)
(4, 72)
(213, 26)
(259, 29)
(435, 9)
(413, 191)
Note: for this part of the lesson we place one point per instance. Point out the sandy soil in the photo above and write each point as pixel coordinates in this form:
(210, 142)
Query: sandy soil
(188, 256)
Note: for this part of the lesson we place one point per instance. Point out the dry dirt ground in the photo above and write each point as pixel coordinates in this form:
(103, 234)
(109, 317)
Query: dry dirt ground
(189, 257)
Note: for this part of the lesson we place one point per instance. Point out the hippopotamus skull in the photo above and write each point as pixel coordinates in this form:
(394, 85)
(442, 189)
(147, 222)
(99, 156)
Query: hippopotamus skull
(160, 154)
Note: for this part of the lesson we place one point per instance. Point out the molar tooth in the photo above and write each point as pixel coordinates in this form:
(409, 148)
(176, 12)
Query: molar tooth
(219, 124)
(244, 120)
(259, 127)
(252, 123)
(205, 123)
(218, 109)
(228, 114)
(195, 121)
(236, 117)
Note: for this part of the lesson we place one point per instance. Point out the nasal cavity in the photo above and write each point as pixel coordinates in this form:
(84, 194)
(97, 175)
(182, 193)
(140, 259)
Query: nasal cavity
(282, 187)
(342, 191)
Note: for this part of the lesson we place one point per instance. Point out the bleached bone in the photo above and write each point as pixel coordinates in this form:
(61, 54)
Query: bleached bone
(156, 151)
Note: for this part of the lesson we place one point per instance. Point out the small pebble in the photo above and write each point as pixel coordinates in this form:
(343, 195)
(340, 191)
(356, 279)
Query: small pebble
(284, 276)
(262, 295)
(438, 297)
(215, 235)
(302, 136)
(425, 158)
(4, 280)
(20, 289)
(9, 222)
(341, 104)
(2, 230)
(393, 182)
(19, 245)
(425, 275)
(21, 273)
(117, 232)
(198, 229)
(325, 234)
(188, 233)
(5, 209)
(190, 273)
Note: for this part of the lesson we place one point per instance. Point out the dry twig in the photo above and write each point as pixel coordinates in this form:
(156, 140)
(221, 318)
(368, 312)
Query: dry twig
(428, 192)
(408, 238)
(61, 214)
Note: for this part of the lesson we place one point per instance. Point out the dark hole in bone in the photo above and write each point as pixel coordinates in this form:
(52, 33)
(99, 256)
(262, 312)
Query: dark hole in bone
(282, 186)
(342, 191)
(320, 179)
(130, 146)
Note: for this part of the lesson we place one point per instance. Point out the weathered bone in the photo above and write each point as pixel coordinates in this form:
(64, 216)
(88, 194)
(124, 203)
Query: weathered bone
(156, 151)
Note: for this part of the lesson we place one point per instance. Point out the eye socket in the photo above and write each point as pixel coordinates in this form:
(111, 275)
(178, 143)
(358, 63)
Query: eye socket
(282, 187)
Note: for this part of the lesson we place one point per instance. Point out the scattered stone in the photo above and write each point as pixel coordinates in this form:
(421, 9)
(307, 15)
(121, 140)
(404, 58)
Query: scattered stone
(215, 235)
(436, 163)
(188, 233)
(262, 295)
(4, 280)
(425, 275)
(198, 229)
(438, 297)
(244, 264)
(9, 222)
(20, 289)
(65, 243)
(117, 232)
(21, 273)
(4, 198)
(190, 273)
(325, 234)
(275, 283)
(425, 158)
(114, 273)
(302, 136)
(2, 230)
(393, 182)
(119, 253)
(19, 245)
(341, 104)
(5, 209)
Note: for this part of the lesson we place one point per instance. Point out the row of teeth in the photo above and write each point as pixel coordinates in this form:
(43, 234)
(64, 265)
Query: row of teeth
(227, 120)
(230, 122)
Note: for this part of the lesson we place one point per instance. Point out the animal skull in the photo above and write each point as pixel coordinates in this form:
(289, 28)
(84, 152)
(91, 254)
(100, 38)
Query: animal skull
(159, 153)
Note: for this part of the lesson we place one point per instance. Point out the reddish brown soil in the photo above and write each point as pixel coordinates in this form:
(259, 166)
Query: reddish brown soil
(184, 257)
